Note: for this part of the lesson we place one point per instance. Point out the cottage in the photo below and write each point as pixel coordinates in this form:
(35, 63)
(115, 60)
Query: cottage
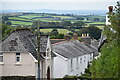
(72, 58)
(18, 55)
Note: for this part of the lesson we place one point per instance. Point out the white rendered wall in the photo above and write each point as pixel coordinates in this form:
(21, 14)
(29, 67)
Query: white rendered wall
(79, 68)
(60, 67)
(107, 22)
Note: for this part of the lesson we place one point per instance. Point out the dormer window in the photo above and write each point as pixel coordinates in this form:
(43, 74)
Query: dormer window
(17, 57)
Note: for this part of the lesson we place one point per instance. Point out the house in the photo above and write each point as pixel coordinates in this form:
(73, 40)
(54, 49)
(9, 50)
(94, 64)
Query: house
(72, 57)
(18, 55)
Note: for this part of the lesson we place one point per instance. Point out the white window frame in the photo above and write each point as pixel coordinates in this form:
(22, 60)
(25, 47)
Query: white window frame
(84, 58)
(19, 57)
(1, 55)
(71, 65)
(77, 63)
(81, 60)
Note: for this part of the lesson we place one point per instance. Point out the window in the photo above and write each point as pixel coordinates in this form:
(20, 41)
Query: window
(1, 57)
(84, 58)
(47, 52)
(17, 57)
(71, 65)
(91, 57)
(77, 64)
(80, 60)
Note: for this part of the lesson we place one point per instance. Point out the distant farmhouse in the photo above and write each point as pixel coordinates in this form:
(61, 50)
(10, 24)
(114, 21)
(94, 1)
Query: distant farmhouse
(73, 56)
(18, 55)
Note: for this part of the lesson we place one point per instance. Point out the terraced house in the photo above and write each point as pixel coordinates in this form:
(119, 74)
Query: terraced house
(18, 55)
(73, 56)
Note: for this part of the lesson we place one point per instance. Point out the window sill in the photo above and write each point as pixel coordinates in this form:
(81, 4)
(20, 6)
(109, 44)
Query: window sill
(1, 63)
(18, 64)
(77, 68)
(47, 58)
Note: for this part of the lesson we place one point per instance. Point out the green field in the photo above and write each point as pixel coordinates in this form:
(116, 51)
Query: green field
(97, 23)
(63, 31)
(18, 18)
(56, 18)
(21, 23)
(30, 16)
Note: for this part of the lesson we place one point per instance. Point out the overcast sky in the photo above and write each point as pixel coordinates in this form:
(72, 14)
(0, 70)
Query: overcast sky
(57, 4)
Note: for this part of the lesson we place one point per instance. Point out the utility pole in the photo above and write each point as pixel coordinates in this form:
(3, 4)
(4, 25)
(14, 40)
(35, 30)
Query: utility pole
(38, 49)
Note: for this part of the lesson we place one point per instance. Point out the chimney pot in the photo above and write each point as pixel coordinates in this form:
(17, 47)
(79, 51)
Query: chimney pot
(110, 8)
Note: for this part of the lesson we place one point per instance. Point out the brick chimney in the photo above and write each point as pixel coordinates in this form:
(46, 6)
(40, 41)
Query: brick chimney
(67, 37)
(86, 38)
(110, 9)
(75, 36)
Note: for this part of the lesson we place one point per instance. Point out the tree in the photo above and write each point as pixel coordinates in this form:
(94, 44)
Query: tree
(107, 65)
(96, 19)
(5, 29)
(66, 23)
(4, 19)
(54, 32)
(79, 24)
(80, 18)
(8, 23)
(94, 32)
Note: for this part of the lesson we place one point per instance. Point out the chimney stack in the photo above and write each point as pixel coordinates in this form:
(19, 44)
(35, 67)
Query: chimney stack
(86, 38)
(110, 9)
(67, 37)
(75, 36)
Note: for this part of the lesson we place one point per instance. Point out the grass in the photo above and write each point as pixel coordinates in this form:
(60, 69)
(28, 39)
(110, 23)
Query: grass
(62, 31)
(21, 23)
(100, 27)
(18, 18)
(97, 23)
(30, 16)
(45, 30)
(47, 20)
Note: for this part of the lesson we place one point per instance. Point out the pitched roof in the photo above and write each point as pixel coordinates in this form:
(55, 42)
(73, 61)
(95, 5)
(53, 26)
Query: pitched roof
(53, 41)
(23, 40)
(71, 49)
(94, 49)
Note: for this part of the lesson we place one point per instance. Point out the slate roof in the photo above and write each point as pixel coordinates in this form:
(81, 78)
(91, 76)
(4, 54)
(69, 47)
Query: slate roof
(95, 50)
(71, 49)
(24, 40)
(53, 41)
(102, 41)
(95, 44)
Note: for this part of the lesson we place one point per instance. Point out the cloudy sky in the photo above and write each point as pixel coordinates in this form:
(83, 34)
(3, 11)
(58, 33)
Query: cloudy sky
(57, 4)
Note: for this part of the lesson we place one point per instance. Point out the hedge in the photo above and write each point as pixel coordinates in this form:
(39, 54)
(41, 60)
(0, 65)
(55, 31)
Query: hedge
(18, 78)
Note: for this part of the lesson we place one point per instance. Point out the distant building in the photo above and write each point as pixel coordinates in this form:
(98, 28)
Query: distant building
(18, 55)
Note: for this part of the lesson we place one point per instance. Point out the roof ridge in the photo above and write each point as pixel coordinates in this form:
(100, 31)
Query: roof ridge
(63, 42)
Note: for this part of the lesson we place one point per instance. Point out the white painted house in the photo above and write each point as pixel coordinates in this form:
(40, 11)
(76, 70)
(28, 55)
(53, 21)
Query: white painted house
(18, 55)
(72, 58)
